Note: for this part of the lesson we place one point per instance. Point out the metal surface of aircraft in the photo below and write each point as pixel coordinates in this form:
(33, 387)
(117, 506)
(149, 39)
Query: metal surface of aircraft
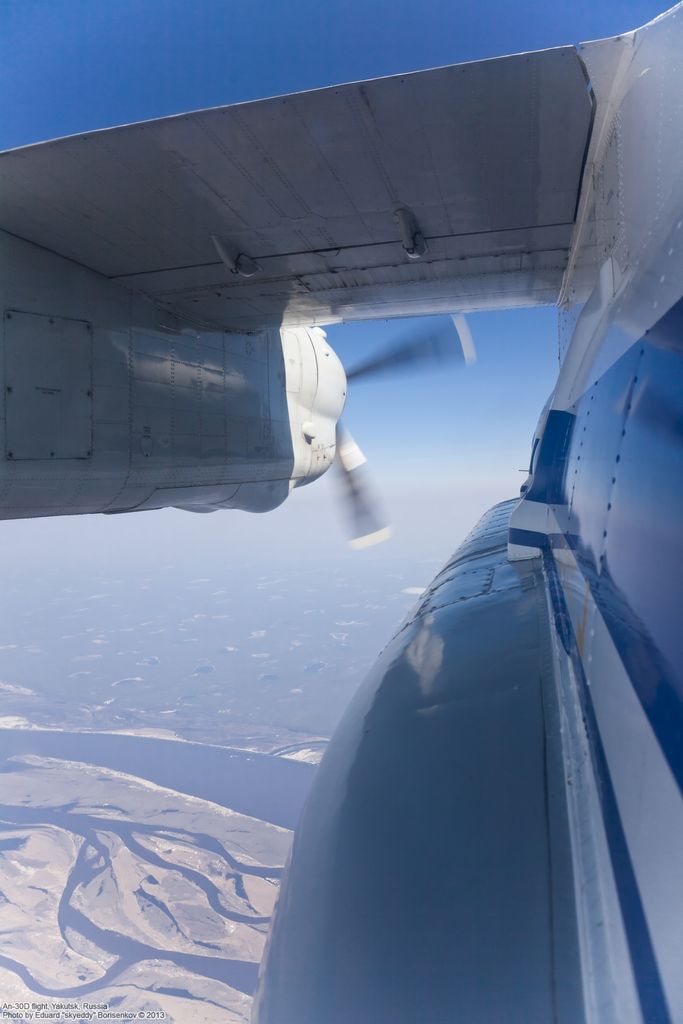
(496, 831)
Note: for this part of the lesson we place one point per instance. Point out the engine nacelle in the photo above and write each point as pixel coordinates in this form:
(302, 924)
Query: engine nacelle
(113, 405)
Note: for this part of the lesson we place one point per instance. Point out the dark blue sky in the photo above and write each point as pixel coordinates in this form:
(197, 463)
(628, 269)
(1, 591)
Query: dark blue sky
(76, 65)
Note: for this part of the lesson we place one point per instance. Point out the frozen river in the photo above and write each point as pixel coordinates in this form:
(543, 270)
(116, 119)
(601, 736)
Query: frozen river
(260, 785)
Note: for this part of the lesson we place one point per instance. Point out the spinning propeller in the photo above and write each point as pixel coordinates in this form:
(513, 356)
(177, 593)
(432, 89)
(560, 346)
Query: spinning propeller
(445, 339)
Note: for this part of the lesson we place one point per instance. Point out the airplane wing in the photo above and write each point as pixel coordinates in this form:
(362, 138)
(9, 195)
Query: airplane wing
(451, 189)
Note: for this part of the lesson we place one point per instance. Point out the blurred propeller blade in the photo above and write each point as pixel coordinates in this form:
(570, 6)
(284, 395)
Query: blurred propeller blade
(367, 526)
(465, 337)
(444, 338)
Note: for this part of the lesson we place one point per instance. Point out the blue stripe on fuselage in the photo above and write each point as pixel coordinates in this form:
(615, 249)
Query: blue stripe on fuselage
(615, 461)
(621, 477)
(647, 669)
(644, 963)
